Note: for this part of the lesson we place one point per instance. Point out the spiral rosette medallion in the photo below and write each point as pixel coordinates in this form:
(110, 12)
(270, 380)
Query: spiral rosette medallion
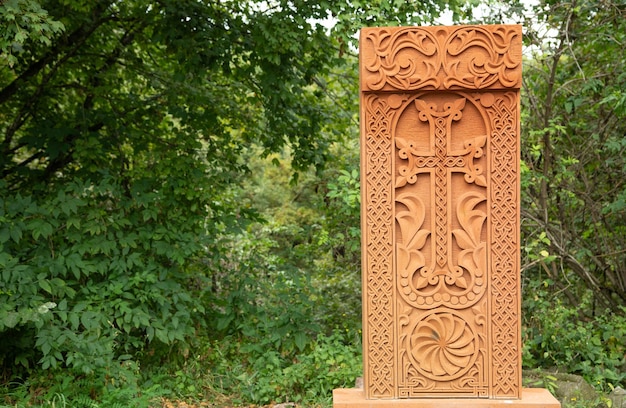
(443, 346)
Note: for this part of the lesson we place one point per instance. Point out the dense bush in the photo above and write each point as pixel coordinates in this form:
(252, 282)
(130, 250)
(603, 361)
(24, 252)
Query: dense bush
(571, 340)
(308, 376)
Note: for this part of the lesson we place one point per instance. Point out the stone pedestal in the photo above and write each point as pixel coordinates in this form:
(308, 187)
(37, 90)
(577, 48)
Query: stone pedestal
(440, 174)
(531, 398)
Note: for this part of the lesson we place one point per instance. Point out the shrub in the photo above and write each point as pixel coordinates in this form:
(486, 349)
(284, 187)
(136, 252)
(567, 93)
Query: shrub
(563, 336)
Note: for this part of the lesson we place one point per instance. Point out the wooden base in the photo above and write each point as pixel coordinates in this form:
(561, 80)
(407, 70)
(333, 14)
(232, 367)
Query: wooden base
(531, 398)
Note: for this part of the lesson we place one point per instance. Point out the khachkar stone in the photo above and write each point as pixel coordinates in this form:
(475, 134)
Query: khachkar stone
(440, 187)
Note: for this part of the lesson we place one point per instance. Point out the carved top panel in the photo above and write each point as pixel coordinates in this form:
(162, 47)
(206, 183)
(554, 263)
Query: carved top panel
(441, 58)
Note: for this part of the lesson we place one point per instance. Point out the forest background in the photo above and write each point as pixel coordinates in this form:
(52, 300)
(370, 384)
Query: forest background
(179, 195)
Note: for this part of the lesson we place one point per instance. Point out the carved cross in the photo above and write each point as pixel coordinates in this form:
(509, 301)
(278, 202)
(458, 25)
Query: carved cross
(442, 161)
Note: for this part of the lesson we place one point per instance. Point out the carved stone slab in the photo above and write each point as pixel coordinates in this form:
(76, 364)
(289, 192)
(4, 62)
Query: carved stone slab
(440, 212)
(441, 58)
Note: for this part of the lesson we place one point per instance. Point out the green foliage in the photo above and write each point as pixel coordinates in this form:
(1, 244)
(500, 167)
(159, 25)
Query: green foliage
(121, 386)
(388, 13)
(253, 298)
(331, 364)
(123, 140)
(572, 214)
(345, 198)
(331, 361)
(106, 280)
(23, 21)
(558, 335)
(573, 149)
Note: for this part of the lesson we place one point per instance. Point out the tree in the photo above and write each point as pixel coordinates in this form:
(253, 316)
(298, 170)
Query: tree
(574, 148)
(24, 20)
(125, 132)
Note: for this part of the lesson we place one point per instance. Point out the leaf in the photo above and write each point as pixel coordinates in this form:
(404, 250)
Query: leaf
(458, 104)
(74, 320)
(10, 320)
(422, 106)
(421, 283)
(463, 240)
(419, 239)
(150, 333)
(466, 260)
(45, 285)
(300, 340)
(223, 322)
(480, 260)
(409, 261)
(88, 319)
(401, 143)
(16, 234)
(480, 181)
(403, 259)
(479, 141)
(400, 182)
(161, 335)
(45, 348)
(4, 235)
(471, 220)
(410, 221)
(20, 36)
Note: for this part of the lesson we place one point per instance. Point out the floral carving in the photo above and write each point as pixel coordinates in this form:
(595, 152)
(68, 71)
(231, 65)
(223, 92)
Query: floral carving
(496, 65)
(469, 57)
(409, 256)
(445, 281)
(427, 287)
(472, 256)
(444, 346)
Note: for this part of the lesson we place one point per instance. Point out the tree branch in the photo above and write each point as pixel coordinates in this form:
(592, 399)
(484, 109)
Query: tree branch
(76, 39)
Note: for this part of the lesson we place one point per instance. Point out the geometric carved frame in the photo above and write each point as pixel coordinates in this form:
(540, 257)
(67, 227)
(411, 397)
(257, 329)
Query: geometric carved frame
(440, 211)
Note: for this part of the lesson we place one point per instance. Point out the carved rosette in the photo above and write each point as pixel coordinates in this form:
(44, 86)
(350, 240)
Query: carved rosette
(443, 346)
(440, 173)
